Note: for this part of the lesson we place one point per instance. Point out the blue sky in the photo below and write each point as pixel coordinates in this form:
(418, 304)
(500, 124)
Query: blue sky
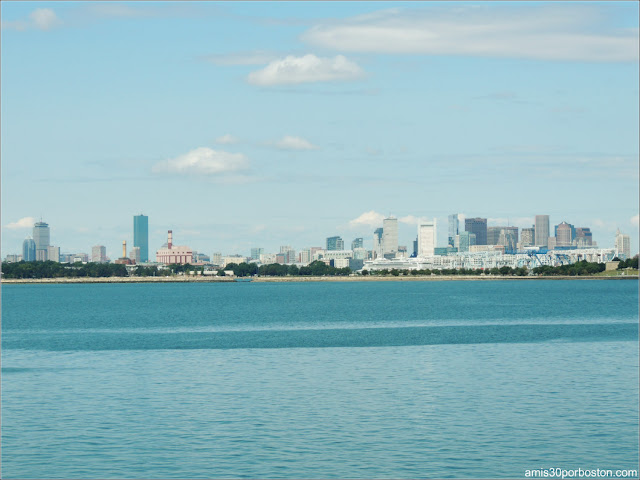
(267, 124)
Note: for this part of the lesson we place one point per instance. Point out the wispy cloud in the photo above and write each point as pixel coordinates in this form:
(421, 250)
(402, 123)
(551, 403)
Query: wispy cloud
(634, 220)
(25, 222)
(367, 219)
(607, 225)
(289, 142)
(227, 139)
(306, 69)
(39, 19)
(409, 220)
(203, 161)
(549, 32)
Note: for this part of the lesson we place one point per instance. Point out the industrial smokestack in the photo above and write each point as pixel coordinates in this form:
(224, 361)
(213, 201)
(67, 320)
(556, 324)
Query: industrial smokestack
(170, 240)
(124, 249)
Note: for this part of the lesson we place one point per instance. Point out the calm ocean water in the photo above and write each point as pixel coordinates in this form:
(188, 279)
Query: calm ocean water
(318, 380)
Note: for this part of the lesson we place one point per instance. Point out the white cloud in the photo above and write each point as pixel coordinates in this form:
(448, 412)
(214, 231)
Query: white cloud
(39, 19)
(44, 18)
(549, 32)
(634, 220)
(368, 219)
(203, 161)
(294, 143)
(409, 220)
(25, 222)
(227, 139)
(306, 69)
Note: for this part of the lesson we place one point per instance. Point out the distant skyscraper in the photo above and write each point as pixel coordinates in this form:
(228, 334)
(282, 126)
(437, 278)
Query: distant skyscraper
(528, 237)
(289, 254)
(357, 243)
(623, 246)
(29, 250)
(464, 240)
(256, 252)
(305, 256)
(99, 254)
(141, 236)
(53, 253)
(493, 235)
(564, 234)
(583, 237)
(426, 238)
(335, 243)
(477, 226)
(542, 230)
(454, 228)
(134, 254)
(41, 235)
(377, 243)
(390, 236)
(508, 238)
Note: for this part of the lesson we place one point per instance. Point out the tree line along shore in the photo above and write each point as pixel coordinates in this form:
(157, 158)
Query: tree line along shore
(52, 271)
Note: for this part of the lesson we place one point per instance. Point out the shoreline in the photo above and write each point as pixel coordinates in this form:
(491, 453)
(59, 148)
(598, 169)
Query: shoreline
(437, 278)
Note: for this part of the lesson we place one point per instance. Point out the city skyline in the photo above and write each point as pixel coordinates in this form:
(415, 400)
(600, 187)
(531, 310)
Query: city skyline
(435, 239)
(202, 132)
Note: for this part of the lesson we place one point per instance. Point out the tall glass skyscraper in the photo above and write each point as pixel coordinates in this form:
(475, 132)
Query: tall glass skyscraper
(335, 243)
(479, 227)
(141, 236)
(29, 250)
(454, 228)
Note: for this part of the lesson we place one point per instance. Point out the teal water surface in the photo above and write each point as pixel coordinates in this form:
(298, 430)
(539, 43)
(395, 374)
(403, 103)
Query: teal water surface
(318, 380)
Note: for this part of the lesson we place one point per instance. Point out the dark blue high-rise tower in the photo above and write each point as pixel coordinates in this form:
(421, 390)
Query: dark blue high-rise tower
(141, 235)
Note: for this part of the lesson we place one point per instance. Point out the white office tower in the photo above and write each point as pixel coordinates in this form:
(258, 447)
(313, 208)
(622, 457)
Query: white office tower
(390, 236)
(427, 238)
(623, 246)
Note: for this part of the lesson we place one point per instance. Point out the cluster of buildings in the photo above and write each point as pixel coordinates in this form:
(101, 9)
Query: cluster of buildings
(470, 244)
(37, 247)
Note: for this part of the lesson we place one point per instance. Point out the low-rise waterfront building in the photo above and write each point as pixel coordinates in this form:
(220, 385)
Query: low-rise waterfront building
(170, 254)
(267, 258)
(492, 259)
(334, 254)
